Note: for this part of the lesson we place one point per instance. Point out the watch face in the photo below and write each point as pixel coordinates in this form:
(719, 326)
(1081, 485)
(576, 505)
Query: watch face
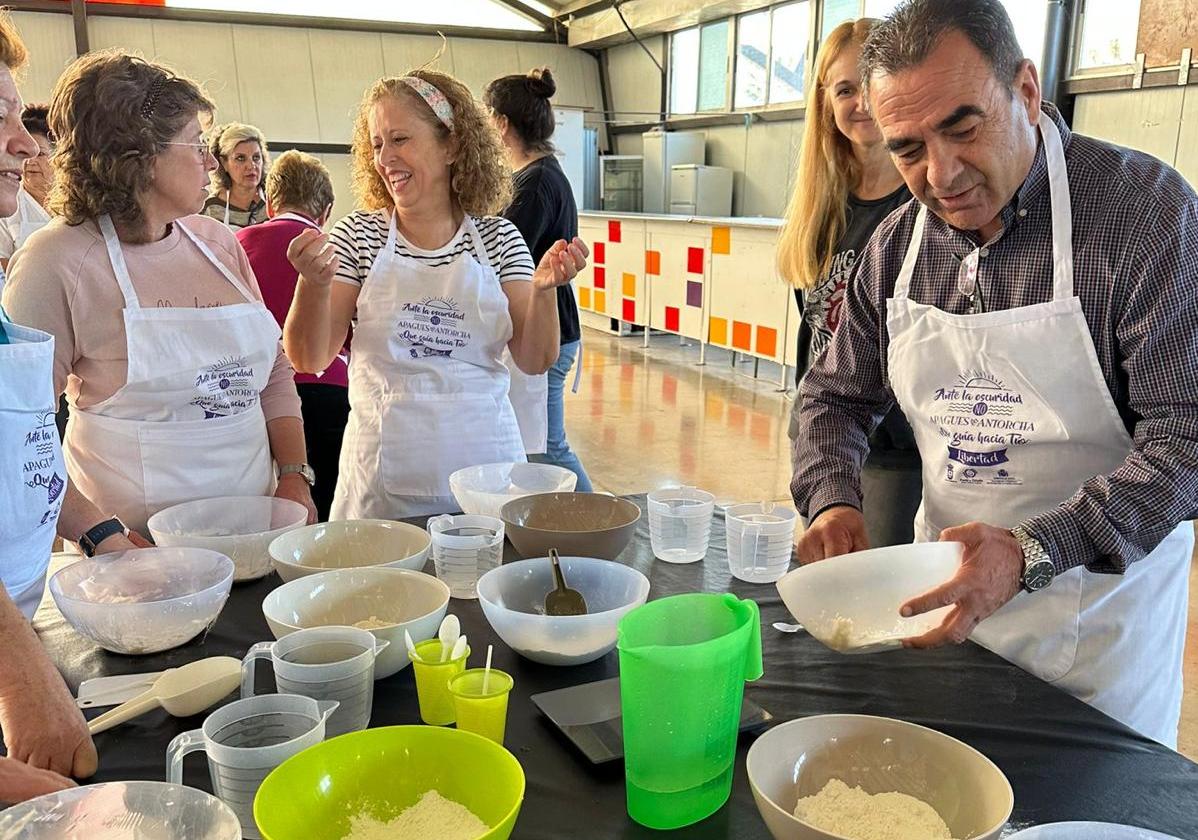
(1038, 575)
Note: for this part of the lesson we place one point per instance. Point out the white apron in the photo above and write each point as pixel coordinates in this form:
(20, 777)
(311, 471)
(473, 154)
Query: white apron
(30, 217)
(530, 399)
(428, 389)
(1012, 415)
(34, 477)
(188, 423)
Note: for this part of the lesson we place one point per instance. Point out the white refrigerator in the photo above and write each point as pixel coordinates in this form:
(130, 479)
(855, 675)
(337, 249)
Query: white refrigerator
(663, 151)
(701, 190)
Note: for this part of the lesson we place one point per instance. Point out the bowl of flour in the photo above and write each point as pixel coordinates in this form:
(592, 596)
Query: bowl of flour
(856, 777)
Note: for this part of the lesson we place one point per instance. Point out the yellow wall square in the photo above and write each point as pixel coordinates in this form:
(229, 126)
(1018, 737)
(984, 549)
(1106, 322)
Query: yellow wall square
(600, 301)
(721, 240)
(718, 331)
(629, 285)
(584, 298)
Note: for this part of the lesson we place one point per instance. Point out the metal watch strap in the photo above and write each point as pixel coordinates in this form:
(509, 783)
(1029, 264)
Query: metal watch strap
(1037, 564)
(304, 471)
(92, 537)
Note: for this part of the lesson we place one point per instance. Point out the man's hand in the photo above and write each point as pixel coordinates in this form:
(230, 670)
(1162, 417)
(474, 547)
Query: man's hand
(42, 725)
(837, 530)
(19, 781)
(990, 576)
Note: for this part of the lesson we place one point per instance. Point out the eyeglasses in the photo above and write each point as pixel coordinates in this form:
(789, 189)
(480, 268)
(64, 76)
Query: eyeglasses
(201, 149)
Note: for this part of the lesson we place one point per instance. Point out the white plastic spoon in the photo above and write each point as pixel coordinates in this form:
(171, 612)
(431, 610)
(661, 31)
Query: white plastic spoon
(448, 633)
(407, 640)
(183, 691)
(459, 647)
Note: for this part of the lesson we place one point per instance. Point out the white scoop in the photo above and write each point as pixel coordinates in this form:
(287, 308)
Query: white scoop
(184, 691)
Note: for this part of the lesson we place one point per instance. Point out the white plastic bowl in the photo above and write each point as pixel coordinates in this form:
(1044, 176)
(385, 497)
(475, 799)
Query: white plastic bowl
(240, 527)
(1088, 831)
(349, 544)
(486, 488)
(122, 810)
(513, 600)
(851, 603)
(879, 755)
(400, 598)
(145, 600)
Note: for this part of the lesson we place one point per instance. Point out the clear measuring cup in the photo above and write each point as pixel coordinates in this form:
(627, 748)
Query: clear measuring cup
(324, 663)
(465, 547)
(760, 539)
(247, 739)
(684, 661)
(680, 523)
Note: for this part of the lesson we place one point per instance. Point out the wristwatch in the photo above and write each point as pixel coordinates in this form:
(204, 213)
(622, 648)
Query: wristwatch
(94, 536)
(1038, 570)
(303, 470)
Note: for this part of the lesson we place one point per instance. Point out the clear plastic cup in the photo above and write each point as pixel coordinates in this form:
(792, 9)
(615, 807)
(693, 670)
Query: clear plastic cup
(432, 682)
(680, 523)
(480, 701)
(247, 739)
(324, 663)
(465, 547)
(760, 539)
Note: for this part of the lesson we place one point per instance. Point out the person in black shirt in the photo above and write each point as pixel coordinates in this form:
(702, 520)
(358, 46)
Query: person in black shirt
(543, 210)
(846, 185)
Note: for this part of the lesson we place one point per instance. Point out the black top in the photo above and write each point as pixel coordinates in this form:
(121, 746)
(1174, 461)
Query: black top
(544, 211)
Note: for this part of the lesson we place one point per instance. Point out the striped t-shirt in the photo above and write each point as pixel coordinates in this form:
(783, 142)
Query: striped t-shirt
(360, 236)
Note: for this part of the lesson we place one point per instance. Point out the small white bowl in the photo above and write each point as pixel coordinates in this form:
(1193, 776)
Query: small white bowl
(349, 544)
(879, 755)
(239, 527)
(395, 599)
(513, 600)
(484, 489)
(851, 602)
(145, 600)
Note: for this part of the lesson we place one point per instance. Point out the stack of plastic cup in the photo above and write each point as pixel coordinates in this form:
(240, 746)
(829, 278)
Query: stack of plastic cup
(760, 539)
(432, 682)
(464, 548)
(680, 523)
(480, 701)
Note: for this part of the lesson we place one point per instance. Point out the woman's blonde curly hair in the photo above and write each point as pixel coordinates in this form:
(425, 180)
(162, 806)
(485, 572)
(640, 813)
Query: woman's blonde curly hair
(479, 176)
(112, 113)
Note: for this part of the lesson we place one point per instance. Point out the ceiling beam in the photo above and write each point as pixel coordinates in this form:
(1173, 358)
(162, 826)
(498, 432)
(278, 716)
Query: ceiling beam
(583, 7)
(532, 14)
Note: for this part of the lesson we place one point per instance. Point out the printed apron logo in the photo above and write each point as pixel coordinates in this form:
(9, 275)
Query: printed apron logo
(983, 423)
(433, 327)
(225, 388)
(40, 463)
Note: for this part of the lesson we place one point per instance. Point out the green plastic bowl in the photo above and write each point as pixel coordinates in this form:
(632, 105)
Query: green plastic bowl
(383, 771)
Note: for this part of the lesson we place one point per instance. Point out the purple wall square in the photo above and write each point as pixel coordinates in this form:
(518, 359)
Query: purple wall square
(694, 293)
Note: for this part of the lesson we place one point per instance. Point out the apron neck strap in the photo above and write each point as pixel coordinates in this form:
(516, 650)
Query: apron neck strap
(220, 266)
(296, 217)
(480, 249)
(1062, 221)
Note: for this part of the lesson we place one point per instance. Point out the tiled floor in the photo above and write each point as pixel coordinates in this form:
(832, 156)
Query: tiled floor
(646, 419)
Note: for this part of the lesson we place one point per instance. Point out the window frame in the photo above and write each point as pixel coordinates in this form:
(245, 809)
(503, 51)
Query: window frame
(814, 10)
(1077, 25)
(726, 105)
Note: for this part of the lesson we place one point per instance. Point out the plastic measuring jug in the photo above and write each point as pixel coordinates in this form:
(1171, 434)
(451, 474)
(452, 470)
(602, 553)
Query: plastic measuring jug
(465, 547)
(760, 540)
(680, 523)
(324, 663)
(483, 712)
(432, 681)
(247, 739)
(684, 661)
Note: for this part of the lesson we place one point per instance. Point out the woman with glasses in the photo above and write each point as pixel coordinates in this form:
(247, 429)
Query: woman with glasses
(171, 363)
(242, 158)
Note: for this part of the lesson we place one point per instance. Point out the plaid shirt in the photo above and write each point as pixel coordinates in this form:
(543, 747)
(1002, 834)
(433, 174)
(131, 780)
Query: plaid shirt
(1135, 253)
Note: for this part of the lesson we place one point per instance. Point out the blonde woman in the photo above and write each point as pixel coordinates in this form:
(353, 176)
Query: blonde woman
(435, 287)
(846, 185)
(242, 159)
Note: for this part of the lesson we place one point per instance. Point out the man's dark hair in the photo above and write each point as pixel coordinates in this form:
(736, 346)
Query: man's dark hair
(909, 35)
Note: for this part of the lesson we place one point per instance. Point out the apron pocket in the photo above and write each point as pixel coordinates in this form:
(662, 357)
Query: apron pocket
(426, 437)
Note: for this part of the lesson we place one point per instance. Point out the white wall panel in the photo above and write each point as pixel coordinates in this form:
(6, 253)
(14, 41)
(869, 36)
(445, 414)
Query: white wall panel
(125, 33)
(204, 51)
(1148, 120)
(772, 151)
(727, 146)
(338, 166)
(1187, 142)
(344, 64)
(275, 79)
(51, 43)
(402, 53)
(635, 80)
(478, 61)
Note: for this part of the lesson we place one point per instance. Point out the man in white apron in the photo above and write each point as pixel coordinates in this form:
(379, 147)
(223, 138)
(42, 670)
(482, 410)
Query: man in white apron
(1027, 328)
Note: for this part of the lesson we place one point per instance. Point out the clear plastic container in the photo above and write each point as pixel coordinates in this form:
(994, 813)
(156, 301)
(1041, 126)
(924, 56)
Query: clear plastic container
(247, 739)
(484, 489)
(760, 540)
(465, 548)
(324, 663)
(145, 600)
(680, 523)
(122, 811)
(240, 527)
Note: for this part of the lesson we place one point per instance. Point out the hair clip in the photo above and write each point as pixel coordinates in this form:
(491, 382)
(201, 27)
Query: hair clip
(152, 97)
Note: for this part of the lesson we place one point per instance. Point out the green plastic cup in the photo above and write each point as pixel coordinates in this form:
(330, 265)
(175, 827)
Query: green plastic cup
(684, 661)
(478, 711)
(432, 681)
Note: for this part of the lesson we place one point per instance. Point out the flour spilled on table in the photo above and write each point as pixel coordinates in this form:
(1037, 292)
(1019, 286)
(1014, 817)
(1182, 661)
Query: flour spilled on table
(851, 812)
(433, 816)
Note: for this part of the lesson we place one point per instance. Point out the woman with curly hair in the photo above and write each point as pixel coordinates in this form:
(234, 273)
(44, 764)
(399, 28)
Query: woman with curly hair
(435, 288)
(237, 193)
(171, 362)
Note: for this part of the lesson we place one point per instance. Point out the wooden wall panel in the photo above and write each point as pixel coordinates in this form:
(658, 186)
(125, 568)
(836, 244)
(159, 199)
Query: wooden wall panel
(1166, 28)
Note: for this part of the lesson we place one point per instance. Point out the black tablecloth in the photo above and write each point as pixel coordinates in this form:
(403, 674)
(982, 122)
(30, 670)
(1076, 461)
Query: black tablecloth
(1065, 760)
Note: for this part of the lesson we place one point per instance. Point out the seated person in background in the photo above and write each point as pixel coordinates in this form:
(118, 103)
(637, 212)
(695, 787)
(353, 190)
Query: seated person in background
(37, 176)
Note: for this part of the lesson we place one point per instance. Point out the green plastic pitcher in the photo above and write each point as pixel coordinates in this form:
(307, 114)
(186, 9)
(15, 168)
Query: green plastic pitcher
(683, 665)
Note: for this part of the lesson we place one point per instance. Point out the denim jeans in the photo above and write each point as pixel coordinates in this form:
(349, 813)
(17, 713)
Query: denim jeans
(558, 450)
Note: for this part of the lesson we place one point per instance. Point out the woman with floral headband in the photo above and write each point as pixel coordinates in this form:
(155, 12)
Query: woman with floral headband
(435, 287)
